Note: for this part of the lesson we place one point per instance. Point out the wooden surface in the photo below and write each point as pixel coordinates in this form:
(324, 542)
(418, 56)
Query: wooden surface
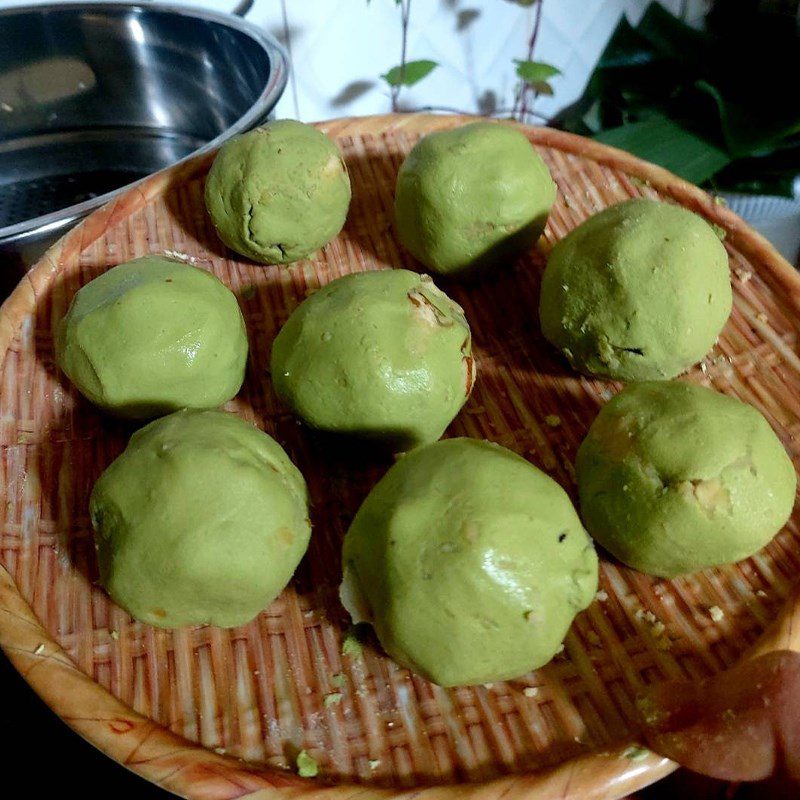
(220, 714)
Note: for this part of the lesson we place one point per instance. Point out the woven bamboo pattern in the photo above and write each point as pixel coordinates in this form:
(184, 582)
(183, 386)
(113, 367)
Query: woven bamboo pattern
(212, 713)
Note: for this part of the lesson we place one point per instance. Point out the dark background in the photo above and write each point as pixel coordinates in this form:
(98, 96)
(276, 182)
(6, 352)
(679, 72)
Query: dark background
(54, 761)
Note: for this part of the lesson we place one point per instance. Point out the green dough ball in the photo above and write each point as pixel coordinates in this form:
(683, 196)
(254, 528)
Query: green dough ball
(151, 336)
(383, 355)
(470, 198)
(278, 193)
(639, 291)
(674, 478)
(469, 562)
(202, 519)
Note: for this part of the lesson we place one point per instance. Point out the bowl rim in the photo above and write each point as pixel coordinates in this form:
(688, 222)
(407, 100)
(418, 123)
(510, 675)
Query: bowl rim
(267, 99)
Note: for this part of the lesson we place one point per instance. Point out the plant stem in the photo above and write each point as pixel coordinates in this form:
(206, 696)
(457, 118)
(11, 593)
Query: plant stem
(521, 101)
(405, 15)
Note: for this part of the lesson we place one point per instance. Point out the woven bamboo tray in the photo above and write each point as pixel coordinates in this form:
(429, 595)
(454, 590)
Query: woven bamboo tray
(215, 714)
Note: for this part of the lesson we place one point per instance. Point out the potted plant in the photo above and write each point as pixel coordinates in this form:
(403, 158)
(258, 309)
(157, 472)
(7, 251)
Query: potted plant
(716, 105)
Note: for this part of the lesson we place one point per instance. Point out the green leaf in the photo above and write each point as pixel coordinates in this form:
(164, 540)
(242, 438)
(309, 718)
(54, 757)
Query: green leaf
(533, 72)
(716, 104)
(672, 37)
(413, 72)
(626, 48)
(542, 87)
(629, 72)
(670, 145)
(747, 131)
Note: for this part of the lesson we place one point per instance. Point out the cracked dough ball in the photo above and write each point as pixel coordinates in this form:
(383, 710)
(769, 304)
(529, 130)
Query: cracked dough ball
(151, 336)
(470, 198)
(203, 519)
(637, 292)
(469, 562)
(383, 355)
(278, 193)
(674, 478)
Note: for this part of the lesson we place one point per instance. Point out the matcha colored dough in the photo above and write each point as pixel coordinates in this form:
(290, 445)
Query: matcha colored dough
(674, 478)
(470, 198)
(278, 193)
(151, 336)
(202, 519)
(637, 292)
(469, 562)
(383, 355)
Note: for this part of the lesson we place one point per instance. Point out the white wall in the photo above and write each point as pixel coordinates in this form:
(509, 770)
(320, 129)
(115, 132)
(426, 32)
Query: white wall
(338, 44)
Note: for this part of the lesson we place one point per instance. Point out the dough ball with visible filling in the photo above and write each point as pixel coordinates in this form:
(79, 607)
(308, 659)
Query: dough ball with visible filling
(382, 355)
(471, 198)
(151, 336)
(279, 192)
(202, 519)
(674, 478)
(637, 292)
(469, 562)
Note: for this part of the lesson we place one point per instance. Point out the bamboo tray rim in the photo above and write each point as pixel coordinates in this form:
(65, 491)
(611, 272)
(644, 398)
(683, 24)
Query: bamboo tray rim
(186, 768)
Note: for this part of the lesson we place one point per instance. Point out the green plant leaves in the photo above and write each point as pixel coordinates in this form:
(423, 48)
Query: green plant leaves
(535, 71)
(716, 106)
(669, 144)
(670, 37)
(410, 73)
(748, 127)
(537, 74)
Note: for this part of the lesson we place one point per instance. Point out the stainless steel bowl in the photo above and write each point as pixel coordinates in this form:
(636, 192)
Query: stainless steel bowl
(95, 96)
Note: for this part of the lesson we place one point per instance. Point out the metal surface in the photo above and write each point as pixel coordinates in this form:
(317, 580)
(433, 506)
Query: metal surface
(94, 96)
